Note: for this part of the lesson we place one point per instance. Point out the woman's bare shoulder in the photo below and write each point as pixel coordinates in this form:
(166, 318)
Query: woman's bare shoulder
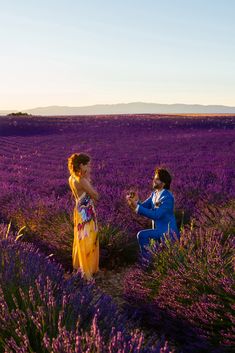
(76, 182)
(70, 179)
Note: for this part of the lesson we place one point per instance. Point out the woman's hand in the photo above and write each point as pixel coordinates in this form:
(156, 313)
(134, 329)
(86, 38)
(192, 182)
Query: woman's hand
(87, 186)
(87, 175)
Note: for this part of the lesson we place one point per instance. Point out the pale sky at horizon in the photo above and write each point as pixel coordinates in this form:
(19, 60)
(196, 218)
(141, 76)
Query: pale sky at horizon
(79, 53)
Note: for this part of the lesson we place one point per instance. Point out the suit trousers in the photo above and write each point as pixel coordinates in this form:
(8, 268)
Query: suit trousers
(144, 237)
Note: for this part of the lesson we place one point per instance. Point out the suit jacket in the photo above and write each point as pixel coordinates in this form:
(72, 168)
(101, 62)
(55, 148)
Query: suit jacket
(163, 214)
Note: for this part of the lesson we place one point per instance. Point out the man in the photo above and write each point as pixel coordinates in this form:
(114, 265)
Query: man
(159, 207)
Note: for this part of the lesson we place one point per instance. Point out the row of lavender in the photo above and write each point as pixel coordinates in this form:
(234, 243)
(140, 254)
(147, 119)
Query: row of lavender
(40, 311)
(185, 292)
(187, 289)
(125, 151)
(192, 296)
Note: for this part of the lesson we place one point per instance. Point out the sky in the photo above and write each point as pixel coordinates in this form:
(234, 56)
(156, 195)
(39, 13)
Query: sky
(85, 52)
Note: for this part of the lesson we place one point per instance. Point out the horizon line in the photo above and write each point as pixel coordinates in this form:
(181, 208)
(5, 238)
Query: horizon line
(111, 104)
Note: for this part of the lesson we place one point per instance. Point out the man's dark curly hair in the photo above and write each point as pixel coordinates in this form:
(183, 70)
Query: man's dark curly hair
(164, 176)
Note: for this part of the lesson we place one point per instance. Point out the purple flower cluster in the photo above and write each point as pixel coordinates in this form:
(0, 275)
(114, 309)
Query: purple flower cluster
(43, 312)
(192, 280)
(125, 150)
(187, 289)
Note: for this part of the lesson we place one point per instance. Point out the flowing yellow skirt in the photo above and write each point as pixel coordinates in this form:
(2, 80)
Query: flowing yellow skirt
(85, 253)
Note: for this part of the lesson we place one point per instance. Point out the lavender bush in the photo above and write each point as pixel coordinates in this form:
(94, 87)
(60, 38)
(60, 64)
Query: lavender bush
(192, 280)
(125, 151)
(43, 312)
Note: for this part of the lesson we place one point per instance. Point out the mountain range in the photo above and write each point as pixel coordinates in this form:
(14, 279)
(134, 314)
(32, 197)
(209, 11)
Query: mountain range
(127, 108)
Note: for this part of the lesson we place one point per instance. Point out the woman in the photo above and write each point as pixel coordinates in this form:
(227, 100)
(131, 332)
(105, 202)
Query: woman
(85, 253)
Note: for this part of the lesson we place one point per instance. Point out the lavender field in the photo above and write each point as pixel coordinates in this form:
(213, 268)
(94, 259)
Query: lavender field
(182, 300)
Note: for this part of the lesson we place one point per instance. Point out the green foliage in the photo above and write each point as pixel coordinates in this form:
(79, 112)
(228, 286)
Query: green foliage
(117, 248)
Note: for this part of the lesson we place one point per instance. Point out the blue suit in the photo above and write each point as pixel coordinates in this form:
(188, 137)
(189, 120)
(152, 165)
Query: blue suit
(162, 216)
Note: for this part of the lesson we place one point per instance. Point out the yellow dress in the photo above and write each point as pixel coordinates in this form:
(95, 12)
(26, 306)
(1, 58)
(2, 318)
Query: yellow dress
(85, 252)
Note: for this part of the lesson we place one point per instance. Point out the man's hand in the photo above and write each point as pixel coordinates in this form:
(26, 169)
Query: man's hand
(132, 198)
(132, 204)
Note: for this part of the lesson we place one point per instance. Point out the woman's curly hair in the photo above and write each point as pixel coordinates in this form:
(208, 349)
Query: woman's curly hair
(75, 160)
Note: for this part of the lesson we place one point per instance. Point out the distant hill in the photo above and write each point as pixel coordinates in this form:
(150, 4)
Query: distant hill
(129, 108)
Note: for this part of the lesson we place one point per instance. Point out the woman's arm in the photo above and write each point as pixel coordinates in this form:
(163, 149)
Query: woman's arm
(86, 186)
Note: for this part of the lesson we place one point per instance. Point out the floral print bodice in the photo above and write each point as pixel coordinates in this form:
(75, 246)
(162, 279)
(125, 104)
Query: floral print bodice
(85, 207)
